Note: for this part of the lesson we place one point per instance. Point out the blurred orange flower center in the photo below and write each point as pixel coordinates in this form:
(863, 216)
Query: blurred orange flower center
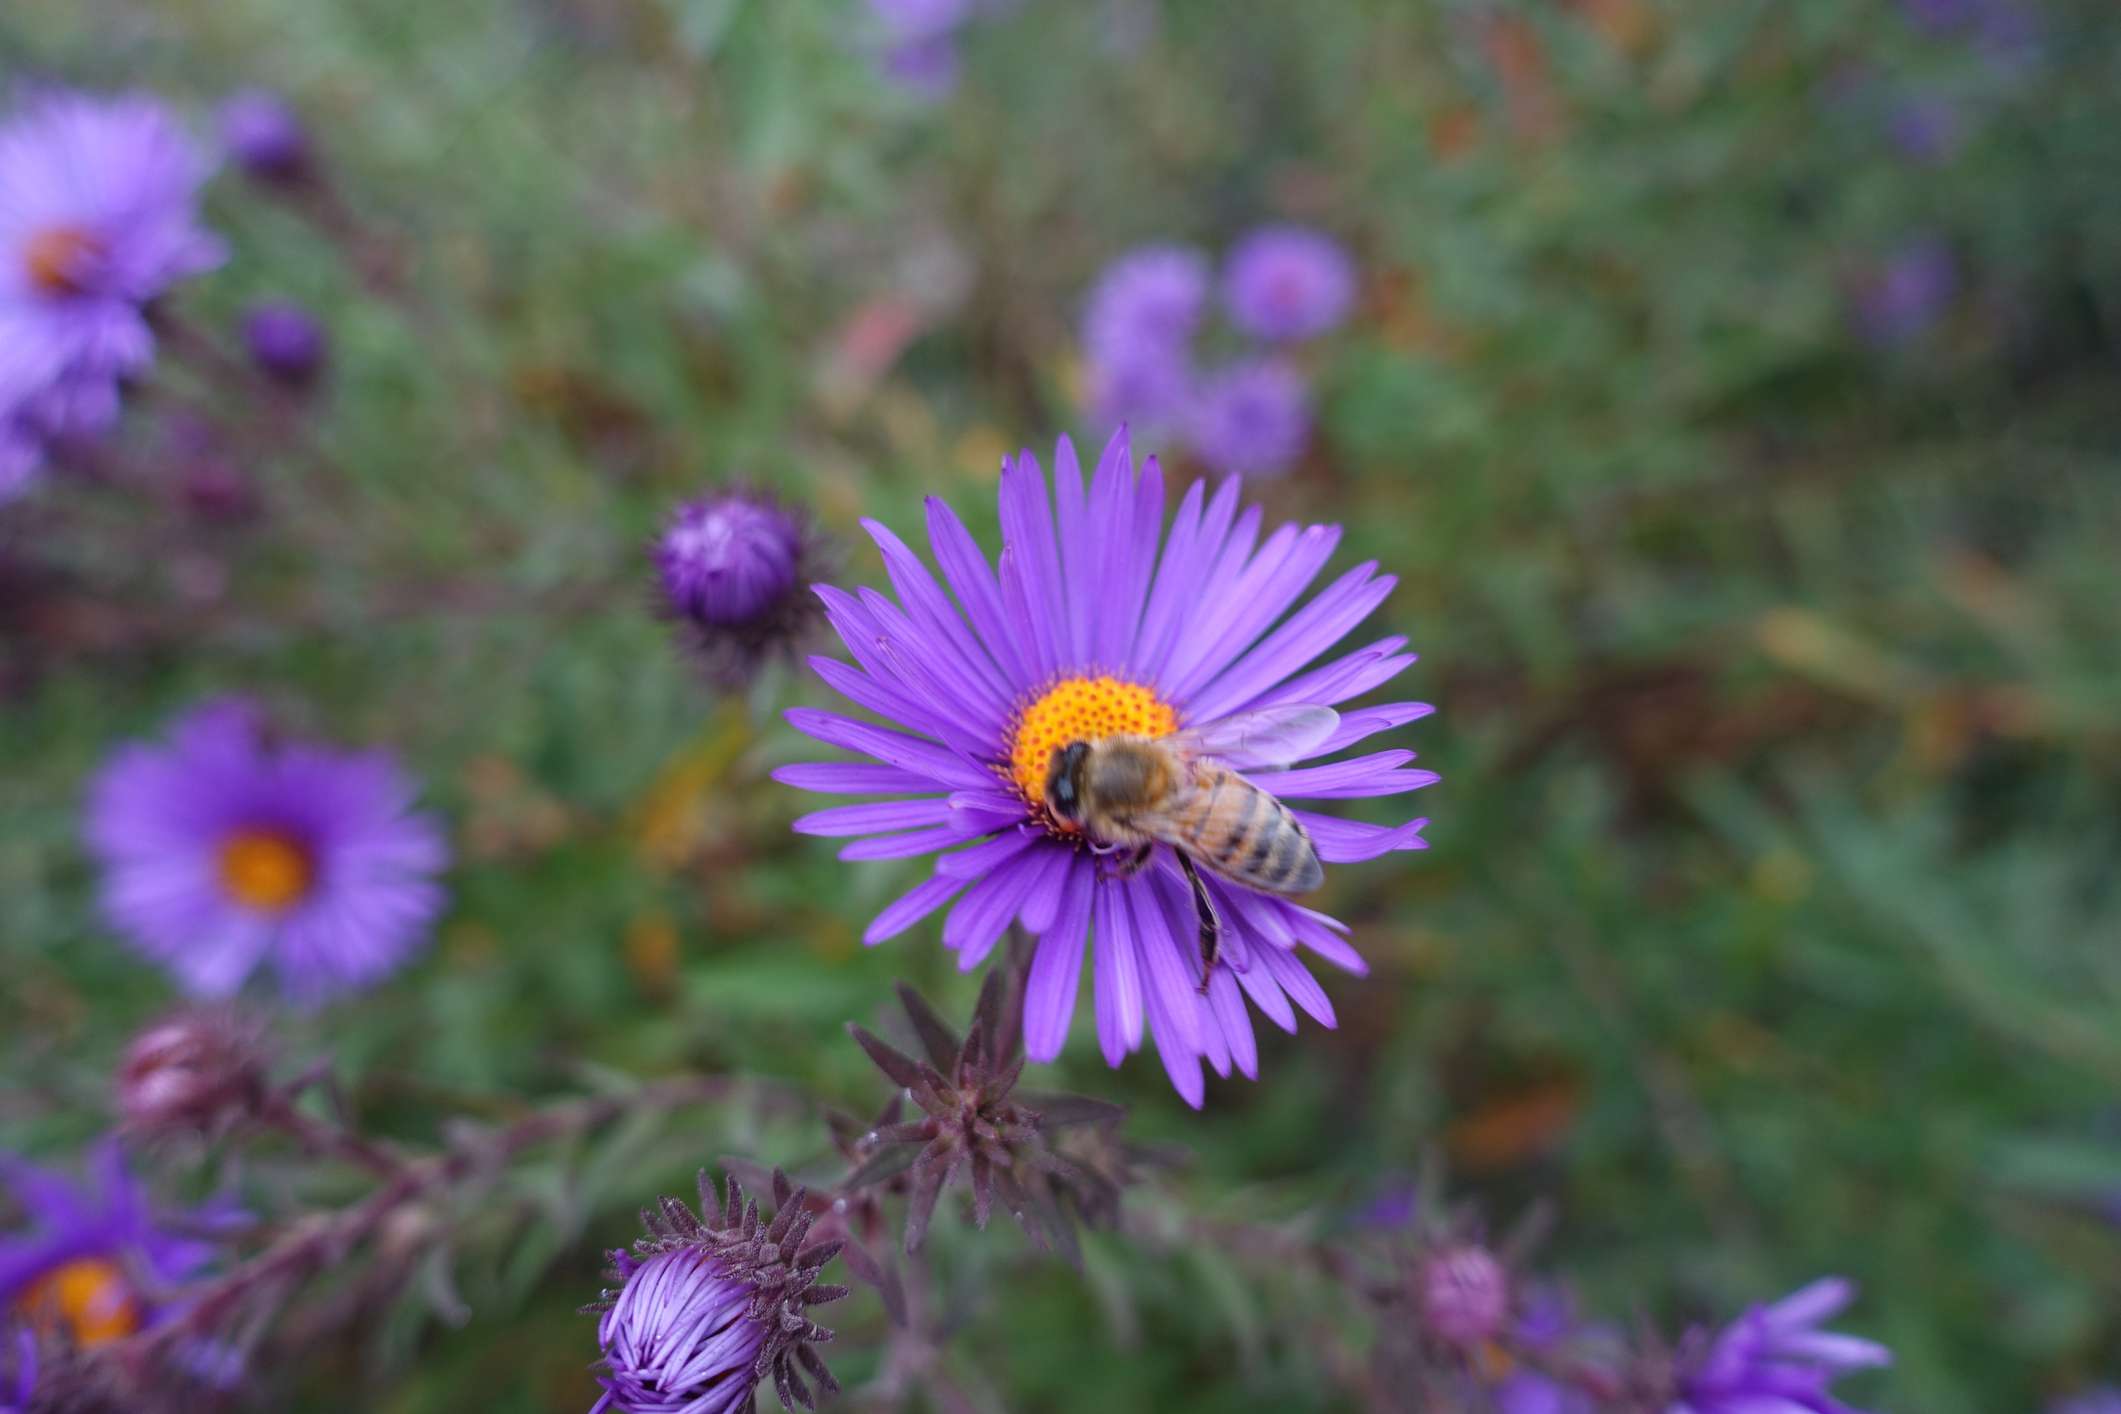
(264, 869)
(1080, 709)
(58, 259)
(87, 1300)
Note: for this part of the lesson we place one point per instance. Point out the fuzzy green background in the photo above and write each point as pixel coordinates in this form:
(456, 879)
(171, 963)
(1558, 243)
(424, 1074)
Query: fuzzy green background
(1771, 925)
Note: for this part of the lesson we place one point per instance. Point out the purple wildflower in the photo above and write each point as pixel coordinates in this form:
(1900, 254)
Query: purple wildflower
(286, 343)
(96, 1262)
(264, 135)
(1088, 632)
(731, 569)
(1138, 328)
(99, 218)
(1286, 282)
(1776, 1357)
(195, 1071)
(1251, 419)
(18, 1359)
(713, 1303)
(224, 848)
(1901, 299)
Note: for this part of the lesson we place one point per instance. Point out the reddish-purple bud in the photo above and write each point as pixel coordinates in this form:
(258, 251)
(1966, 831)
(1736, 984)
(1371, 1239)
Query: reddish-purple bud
(195, 1071)
(1464, 1294)
(286, 343)
(265, 136)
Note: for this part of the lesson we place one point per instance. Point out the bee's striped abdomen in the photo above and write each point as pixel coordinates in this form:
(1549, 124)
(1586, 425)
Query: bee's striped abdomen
(1247, 836)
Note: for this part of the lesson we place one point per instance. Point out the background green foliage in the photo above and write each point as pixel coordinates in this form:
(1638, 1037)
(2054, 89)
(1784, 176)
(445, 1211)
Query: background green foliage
(1771, 925)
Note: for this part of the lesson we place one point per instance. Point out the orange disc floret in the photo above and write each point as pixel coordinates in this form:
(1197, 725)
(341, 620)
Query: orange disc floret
(1080, 709)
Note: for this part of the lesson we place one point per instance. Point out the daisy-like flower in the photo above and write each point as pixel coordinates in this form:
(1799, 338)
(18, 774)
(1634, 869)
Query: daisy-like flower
(99, 216)
(733, 572)
(1098, 624)
(1252, 419)
(1776, 1357)
(96, 1263)
(711, 1303)
(1286, 282)
(224, 848)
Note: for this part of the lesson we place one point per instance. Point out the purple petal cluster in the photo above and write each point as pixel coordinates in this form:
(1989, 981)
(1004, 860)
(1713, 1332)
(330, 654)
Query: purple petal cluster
(1285, 283)
(1251, 415)
(95, 1258)
(224, 849)
(680, 1337)
(1099, 611)
(732, 570)
(1776, 1357)
(98, 218)
(18, 1369)
(286, 343)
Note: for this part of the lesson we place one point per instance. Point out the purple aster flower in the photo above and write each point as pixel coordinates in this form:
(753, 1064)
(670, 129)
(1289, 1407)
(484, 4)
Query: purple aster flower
(1900, 300)
(1287, 282)
(1089, 632)
(286, 343)
(224, 848)
(1251, 419)
(2104, 1400)
(732, 569)
(712, 1304)
(98, 217)
(264, 135)
(1138, 328)
(1776, 1357)
(96, 1263)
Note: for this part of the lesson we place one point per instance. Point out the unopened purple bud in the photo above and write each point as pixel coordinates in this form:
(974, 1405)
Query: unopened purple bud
(286, 342)
(265, 136)
(192, 1072)
(1464, 1295)
(729, 559)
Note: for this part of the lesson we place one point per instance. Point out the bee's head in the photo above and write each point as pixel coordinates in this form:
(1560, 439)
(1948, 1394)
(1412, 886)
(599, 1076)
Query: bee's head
(1064, 781)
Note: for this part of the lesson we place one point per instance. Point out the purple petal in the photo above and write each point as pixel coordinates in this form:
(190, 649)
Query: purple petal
(1031, 559)
(965, 567)
(1347, 780)
(875, 817)
(1210, 599)
(1078, 547)
(1309, 632)
(1115, 973)
(1284, 569)
(926, 605)
(851, 778)
(1343, 678)
(982, 858)
(1057, 969)
(1352, 841)
(979, 918)
(910, 908)
(1366, 722)
(906, 846)
(893, 748)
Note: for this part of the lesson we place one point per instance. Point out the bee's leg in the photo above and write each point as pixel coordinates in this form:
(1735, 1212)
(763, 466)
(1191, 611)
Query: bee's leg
(1135, 861)
(1211, 927)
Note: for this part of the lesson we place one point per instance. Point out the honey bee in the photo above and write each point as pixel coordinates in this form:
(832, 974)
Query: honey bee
(1133, 793)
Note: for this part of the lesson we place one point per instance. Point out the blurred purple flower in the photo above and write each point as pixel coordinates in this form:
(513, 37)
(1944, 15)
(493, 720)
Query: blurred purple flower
(99, 218)
(96, 1263)
(1089, 632)
(21, 459)
(713, 1303)
(921, 19)
(1926, 130)
(1904, 297)
(1138, 327)
(265, 136)
(1530, 1392)
(2105, 1399)
(1286, 282)
(1776, 1357)
(223, 849)
(733, 570)
(286, 343)
(195, 1071)
(1252, 418)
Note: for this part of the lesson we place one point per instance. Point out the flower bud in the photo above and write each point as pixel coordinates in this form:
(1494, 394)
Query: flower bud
(193, 1072)
(265, 137)
(1464, 1294)
(286, 343)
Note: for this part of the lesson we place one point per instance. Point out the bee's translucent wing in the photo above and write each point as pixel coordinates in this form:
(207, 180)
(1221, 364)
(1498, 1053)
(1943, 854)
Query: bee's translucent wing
(1271, 736)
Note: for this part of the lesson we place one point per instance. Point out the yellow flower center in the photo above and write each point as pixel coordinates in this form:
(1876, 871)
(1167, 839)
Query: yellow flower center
(57, 259)
(88, 1299)
(265, 869)
(1080, 709)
